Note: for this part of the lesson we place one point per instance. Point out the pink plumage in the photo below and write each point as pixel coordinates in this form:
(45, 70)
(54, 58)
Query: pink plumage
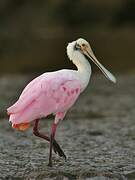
(54, 93)
(50, 93)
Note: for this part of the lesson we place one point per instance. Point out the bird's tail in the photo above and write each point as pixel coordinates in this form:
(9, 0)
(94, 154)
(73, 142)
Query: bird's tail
(16, 124)
(21, 126)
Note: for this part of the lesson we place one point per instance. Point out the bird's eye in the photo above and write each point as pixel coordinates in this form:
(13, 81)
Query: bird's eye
(77, 47)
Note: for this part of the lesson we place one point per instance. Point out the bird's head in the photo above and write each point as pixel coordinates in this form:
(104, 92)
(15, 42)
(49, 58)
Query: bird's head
(84, 48)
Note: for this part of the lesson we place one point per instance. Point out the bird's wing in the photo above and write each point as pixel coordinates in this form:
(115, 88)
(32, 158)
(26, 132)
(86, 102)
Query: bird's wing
(33, 83)
(28, 95)
(25, 99)
(61, 89)
(64, 94)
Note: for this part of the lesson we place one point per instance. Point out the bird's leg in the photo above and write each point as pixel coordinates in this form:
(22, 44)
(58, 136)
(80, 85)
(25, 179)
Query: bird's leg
(59, 116)
(37, 133)
(56, 147)
(53, 131)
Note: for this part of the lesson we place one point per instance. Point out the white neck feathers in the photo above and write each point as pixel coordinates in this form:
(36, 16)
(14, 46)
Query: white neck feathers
(82, 64)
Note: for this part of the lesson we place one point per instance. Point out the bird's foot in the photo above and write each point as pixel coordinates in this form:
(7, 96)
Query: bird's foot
(57, 149)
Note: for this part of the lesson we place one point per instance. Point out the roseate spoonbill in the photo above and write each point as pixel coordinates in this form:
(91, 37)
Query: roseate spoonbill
(54, 93)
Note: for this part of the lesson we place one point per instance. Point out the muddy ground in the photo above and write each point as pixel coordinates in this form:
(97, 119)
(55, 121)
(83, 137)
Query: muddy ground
(97, 135)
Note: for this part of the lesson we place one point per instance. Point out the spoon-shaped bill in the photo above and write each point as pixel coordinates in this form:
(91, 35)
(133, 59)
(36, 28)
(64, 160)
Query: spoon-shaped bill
(107, 74)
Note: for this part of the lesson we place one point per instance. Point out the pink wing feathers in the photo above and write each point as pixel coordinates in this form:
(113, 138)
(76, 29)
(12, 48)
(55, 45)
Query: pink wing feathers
(28, 95)
(47, 95)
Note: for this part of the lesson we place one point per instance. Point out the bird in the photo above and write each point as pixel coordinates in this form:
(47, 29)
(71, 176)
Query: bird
(55, 93)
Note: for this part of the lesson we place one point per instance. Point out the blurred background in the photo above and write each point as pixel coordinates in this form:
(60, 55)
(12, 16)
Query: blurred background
(34, 34)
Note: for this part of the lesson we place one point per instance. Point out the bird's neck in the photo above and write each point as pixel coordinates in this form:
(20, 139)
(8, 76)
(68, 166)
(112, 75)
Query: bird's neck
(83, 69)
(83, 72)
